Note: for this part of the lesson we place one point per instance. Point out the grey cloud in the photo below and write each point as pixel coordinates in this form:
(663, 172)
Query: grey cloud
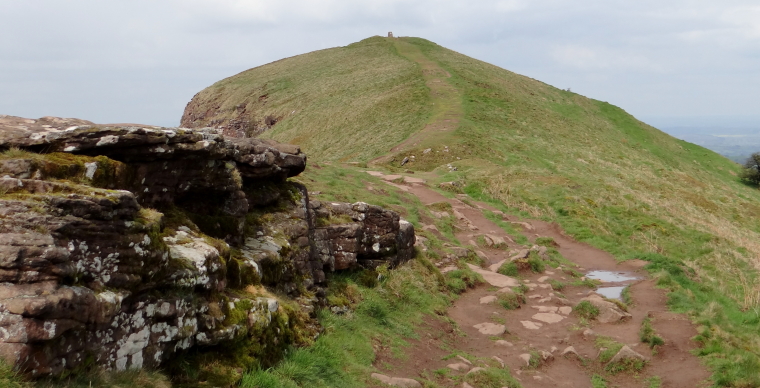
(143, 60)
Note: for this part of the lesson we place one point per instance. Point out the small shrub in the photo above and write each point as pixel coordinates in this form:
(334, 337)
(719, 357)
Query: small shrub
(751, 171)
(556, 284)
(510, 301)
(458, 281)
(509, 269)
(586, 310)
(536, 264)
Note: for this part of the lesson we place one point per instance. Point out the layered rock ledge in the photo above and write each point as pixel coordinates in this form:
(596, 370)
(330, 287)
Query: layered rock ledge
(122, 246)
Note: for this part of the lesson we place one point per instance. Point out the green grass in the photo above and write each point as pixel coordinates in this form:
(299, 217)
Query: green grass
(509, 269)
(126, 379)
(653, 382)
(586, 310)
(648, 335)
(492, 378)
(343, 355)
(9, 378)
(598, 381)
(510, 300)
(356, 101)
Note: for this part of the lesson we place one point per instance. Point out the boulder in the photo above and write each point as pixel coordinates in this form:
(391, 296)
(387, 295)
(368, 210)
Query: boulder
(494, 279)
(119, 243)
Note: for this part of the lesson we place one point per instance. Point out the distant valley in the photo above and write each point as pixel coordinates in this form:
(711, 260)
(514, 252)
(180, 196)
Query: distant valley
(734, 143)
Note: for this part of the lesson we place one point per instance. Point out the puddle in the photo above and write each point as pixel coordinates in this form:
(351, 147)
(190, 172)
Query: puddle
(622, 278)
(610, 292)
(610, 276)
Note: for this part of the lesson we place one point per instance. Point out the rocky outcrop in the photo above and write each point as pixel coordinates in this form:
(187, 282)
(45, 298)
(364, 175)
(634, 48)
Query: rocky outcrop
(122, 246)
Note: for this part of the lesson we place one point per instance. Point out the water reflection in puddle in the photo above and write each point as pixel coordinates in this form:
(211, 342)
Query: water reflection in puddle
(610, 292)
(622, 278)
(610, 277)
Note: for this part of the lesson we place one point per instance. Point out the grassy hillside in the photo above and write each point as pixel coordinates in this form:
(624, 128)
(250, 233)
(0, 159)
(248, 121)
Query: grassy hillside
(344, 103)
(542, 152)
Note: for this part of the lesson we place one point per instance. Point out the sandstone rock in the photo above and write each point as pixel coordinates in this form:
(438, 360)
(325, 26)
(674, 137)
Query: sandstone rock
(548, 317)
(504, 343)
(495, 267)
(465, 385)
(459, 366)
(546, 356)
(488, 299)
(588, 333)
(526, 358)
(545, 309)
(464, 360)
(492, 329)
(570, 351)
(626, 353)
(396, 381)
(531, 325)
(565, 310)
(495, 241)
(608, 312)
(520, 255)
(88, 272)
(499, 360)
(494, 279)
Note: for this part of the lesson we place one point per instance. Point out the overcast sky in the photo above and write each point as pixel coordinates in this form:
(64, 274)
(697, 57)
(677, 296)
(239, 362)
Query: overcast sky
(670, 63)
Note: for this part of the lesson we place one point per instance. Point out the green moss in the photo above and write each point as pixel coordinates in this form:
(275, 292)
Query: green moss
(240, 274)
(260, 346)
(238, 314)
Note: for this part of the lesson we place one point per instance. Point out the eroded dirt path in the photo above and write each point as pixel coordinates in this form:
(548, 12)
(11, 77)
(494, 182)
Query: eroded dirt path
(446, 100)
(545, 322)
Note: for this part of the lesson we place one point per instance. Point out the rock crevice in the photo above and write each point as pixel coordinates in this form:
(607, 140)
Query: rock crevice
(122, 246)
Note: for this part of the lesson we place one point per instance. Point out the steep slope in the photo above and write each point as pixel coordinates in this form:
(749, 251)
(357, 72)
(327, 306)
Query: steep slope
(607, 178)
(356, 101)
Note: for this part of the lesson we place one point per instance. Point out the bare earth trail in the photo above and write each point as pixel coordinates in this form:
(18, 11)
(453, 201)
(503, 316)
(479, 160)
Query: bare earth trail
(446, 100)
(541, 324)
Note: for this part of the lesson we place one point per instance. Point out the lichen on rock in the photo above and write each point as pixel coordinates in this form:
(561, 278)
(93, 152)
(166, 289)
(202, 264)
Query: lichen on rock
(124, 246)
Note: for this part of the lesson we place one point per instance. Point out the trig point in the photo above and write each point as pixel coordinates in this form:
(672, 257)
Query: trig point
(390, 34)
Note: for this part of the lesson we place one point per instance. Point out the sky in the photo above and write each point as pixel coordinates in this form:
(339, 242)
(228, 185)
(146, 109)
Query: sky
(675, 63)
